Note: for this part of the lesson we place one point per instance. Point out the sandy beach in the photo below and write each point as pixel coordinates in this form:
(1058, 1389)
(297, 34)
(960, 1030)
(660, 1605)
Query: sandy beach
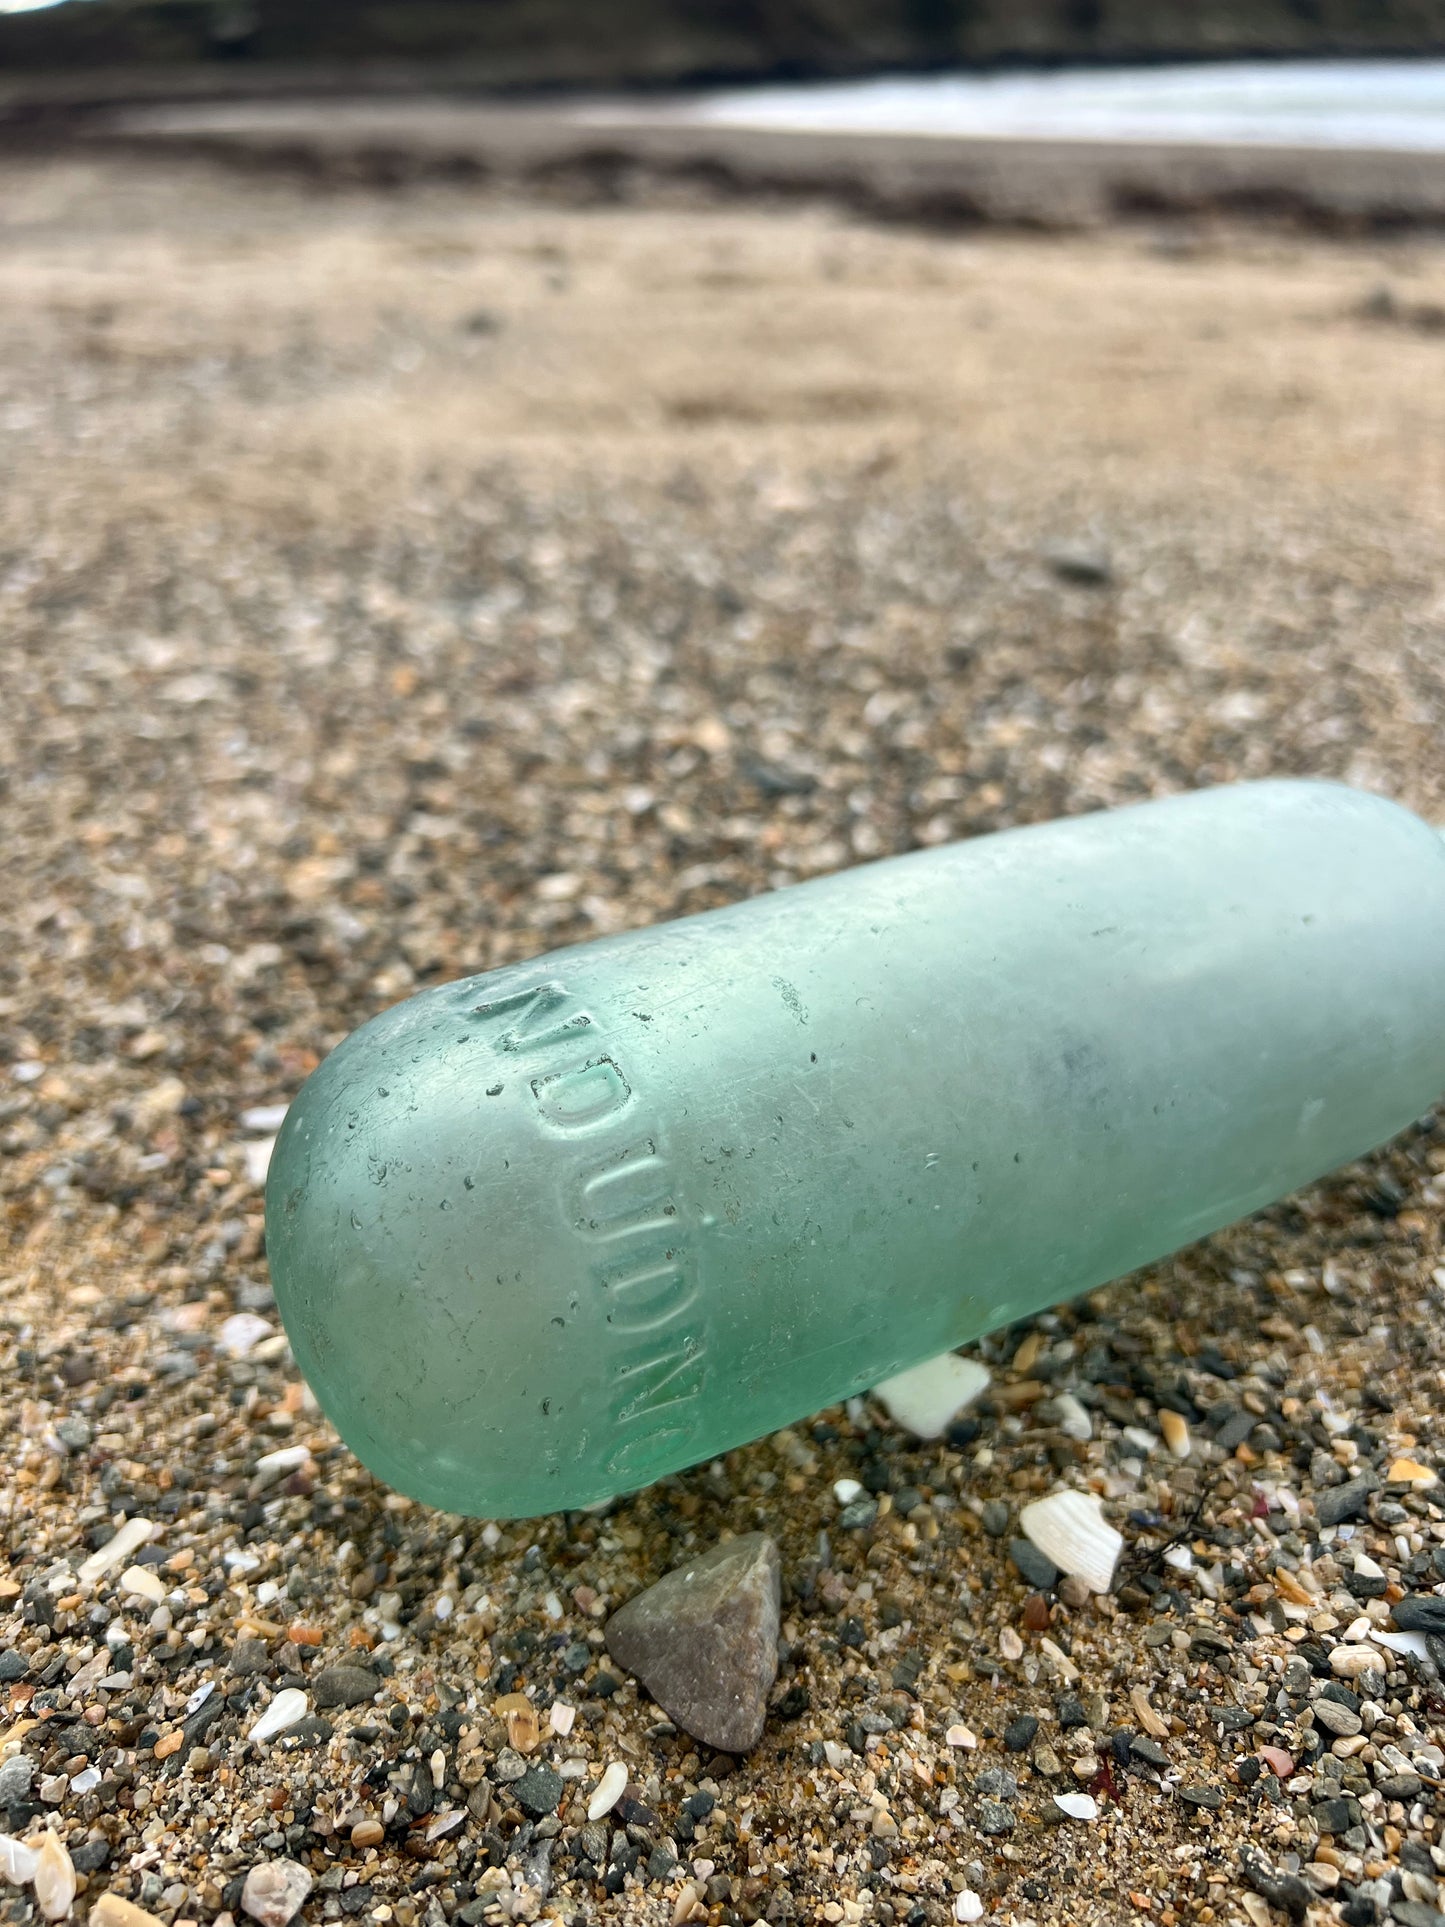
(397, 581)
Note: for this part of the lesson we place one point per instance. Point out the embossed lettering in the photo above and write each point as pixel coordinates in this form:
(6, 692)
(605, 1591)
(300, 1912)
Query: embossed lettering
(538, 1023)
(576, 1100)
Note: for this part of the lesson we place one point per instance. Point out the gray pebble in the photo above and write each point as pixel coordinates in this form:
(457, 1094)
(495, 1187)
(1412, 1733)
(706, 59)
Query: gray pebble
(1344, 1502)
(344, 1686)
(1336, 1719)
(538, 1791)
(994, 1518)
(1033, 1566)
(13, 1666)
(994, 1817)
(15, 1778)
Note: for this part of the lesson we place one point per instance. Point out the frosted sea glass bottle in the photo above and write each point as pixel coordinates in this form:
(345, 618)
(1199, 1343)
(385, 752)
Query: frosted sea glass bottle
(547, 1234)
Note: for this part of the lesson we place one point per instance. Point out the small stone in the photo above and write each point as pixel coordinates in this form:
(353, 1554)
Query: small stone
(858, 1516)
(54, 1878)
(1339, 1720)
(368, 1833)
(275, 1890)
(968, 1906)
(1207, 1799)
(1018, 1735)
(994, 1518)
(143, 1582)
(1419, 1612)
(1411, 1472)
(17, 1861)
(1416, 1913)
(74, 1433)
(538, 1791)
(1340, 1503)
(704, 1641)
(13, 1666)
(1176, 1432)
(1337, 1816)
(927, 1398)
(959, 1735)
(1081, 564)
(16, 1776)
(994, 1817)
(344, 1686)
(1034, 1566)
(111, 1911)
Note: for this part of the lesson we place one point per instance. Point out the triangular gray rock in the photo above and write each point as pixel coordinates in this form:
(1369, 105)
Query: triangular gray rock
(704, 1641)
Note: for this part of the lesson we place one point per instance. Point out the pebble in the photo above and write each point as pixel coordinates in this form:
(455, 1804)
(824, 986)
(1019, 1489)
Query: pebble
(1336, 1719)
(926, 1399)
(704, 1641)
(367, 1833)
(12, 1666)
(538, 1791)
(111, 1910)
(16, 1776)
(289, 1706)
(275, 1890)
(344, 1686)
(967, 1906)
(1176, 1432)
(17, 1860)
(1034, 1566)
(1339, 1503)
(608, 1791)
(1419, 1612)
(994, 1818)
(143, 1582)
(54, 1877)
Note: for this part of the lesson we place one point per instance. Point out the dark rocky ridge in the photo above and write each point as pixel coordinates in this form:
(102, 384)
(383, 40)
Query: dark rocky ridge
(530, 43)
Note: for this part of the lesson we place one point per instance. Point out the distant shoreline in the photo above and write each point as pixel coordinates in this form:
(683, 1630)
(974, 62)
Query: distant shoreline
(931, 181)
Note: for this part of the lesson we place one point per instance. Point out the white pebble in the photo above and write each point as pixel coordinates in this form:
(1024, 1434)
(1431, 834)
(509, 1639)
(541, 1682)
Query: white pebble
(968, 1906)
(257, 1156)
(1073, 1421)
(927, 1398)
(241, 1331)
(845, 1491)
(1077, 1806)
(144, 1582)
(86, 1780)
(54, 1878)
(289, 1705)
(608, 1791)
(834, 1755)
(561, 1717)
(130, 1538)
(960, 1736)
(264, 1117)
(290, 1458)
(17, 1861)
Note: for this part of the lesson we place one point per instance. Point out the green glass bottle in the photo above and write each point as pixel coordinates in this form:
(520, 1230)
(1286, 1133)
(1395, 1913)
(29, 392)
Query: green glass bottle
(547, 1234)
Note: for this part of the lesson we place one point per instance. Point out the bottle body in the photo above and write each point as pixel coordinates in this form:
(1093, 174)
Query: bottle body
(550, 1233)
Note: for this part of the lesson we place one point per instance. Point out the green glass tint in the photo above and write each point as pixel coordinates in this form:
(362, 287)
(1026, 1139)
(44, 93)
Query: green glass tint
(547, 1234)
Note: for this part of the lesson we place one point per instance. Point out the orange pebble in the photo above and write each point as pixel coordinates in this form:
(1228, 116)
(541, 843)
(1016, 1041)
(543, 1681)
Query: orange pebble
(303, 1635)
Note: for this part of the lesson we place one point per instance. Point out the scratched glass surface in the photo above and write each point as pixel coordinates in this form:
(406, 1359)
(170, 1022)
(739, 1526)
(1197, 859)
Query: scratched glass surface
(547, 1234)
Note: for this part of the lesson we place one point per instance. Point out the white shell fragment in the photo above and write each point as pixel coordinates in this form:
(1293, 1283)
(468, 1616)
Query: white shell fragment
(1077, 1806)
(17, 1861)
(968, 1906)
(130, 1538)
(289, 1705)
(54, 1878)
(1070, 1528)
(145, 1583)
(608, 1791)
(927, 1398)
